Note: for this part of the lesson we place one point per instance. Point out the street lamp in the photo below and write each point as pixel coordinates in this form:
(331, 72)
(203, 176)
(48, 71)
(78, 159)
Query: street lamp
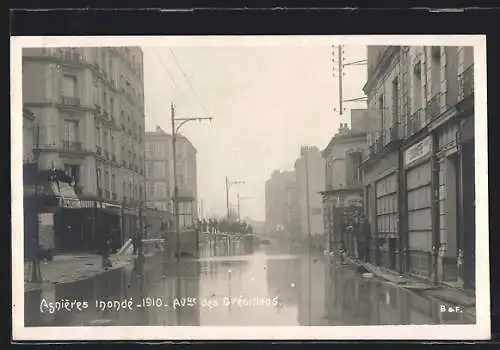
(228, 186)
(175, 130)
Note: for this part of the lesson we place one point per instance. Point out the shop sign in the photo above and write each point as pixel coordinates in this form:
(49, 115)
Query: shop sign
(72, 203)
(418, 151)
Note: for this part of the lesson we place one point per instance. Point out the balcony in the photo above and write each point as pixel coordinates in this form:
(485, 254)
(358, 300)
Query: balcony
(98, 150)
(466, 83)
(433, 108)
(70, 101)
(71, 146)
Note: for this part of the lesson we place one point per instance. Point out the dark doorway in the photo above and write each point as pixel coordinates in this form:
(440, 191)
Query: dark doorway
(468, 214)
(392, 253)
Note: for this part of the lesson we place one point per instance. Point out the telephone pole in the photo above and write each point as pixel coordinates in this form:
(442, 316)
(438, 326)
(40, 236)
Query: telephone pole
(228, 185)
(341, 73)
(175, 131)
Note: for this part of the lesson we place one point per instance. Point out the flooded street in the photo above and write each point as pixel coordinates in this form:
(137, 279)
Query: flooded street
(226, 287)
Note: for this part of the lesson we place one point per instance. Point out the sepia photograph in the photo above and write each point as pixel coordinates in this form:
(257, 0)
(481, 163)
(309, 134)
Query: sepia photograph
(265, 187)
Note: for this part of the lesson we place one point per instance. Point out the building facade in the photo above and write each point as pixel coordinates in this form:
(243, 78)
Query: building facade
(419, 171)
(160, 174)
(89, 107)
(344, 185)
(278, 207)
(310, 180)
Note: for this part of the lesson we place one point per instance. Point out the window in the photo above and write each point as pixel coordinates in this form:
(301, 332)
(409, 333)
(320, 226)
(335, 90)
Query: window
(98, 136)
(159, 170)
(112, 104)
(150, 192)
(73, 170)
(105, 100)
(395, 100)
(417, 87)
(106, 180)
(387, 205)
(381, 111)
(99, 178)
(160, 190)
(435, 70)
(70, 130)
(69, 86)
(356, 163)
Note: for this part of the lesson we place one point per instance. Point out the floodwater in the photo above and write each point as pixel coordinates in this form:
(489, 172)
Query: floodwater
(229, 287)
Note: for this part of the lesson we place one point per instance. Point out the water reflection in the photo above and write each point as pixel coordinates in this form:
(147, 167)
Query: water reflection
(233, 288)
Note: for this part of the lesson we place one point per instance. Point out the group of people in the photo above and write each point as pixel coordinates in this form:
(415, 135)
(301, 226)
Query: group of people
(214, 226)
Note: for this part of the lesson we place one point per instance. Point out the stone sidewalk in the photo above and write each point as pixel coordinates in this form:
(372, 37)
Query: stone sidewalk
(440, 291)
(71, 268)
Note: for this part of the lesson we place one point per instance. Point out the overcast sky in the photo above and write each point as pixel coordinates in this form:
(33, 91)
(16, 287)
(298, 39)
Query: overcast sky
(266, 102)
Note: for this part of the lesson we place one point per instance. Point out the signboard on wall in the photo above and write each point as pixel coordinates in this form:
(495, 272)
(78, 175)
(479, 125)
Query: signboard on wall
(418, 151)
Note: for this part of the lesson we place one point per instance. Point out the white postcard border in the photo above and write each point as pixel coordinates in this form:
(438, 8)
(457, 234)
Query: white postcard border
(481, 330)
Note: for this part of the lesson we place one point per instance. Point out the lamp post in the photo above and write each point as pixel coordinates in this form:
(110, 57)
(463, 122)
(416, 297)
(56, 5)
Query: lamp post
(228, 186)
(175, 130)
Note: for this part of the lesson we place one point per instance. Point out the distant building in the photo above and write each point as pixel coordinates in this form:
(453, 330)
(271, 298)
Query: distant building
(159, 174)
(308, 188)
(419, 169)
(277, 202)
(343, 185)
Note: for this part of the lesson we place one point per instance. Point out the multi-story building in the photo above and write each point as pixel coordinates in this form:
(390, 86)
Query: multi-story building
(278, 208)
(89, 107)
(159, 175)
(419, 170)
(310, 180)
(343, 181)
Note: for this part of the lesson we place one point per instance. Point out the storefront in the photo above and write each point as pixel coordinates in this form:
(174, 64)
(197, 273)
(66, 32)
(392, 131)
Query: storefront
(418, 178)
(386, 210)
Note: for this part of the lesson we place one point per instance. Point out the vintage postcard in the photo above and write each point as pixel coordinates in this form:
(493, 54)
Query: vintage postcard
(249, 187)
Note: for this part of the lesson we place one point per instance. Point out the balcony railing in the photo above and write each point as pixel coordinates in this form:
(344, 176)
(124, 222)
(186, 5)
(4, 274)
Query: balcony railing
(70, 101)
(466, 82)
(72, 145)
(98, 150)
(433, 108)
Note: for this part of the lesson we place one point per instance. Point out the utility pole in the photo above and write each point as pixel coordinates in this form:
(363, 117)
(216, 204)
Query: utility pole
(341, 73)
(228, 185)
(239, 215)
(175, 130)
(341, 67)
(306, 163)
(176, 189)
